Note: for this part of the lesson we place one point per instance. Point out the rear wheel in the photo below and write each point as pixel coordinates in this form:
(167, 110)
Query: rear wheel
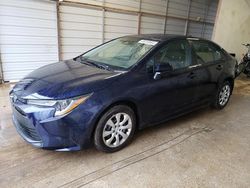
(223, 95)
(115, 129)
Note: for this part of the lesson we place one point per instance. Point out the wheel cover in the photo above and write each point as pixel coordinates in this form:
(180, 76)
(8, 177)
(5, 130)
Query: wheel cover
(117, 130)
(224, 95)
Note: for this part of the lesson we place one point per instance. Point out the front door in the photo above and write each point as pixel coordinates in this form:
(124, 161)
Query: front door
(174, 92)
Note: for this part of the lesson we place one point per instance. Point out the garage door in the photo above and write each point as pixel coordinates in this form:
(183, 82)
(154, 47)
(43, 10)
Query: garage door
(201, 11)
(178, 9)
(28, 36)
(80, 30)
(175, 26)
(119, 24)
(152, 24)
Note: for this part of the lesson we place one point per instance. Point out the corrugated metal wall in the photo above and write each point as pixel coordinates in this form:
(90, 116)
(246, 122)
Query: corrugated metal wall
(201, 11)
(152, 24)
(119, 24)
(122, 4)
(29, 35)
(178, 8)
(80, 30)
(155, 7)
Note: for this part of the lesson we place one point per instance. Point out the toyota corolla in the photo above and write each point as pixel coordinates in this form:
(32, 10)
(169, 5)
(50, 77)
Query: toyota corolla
(103, 96)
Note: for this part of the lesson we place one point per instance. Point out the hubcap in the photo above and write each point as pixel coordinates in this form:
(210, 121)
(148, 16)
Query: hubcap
(224, 95)
(117, 130)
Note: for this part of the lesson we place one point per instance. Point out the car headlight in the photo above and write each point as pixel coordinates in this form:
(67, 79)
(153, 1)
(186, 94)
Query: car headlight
(62, 106)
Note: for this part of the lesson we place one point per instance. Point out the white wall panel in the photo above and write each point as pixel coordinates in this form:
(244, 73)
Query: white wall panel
(197, 9)
(10, 10)
(124, 4)
(175, 26)
(10, 30)
(81, 30)
(76, 34)
(27, 22)
(156, 6)
(28, 40)
(152, 25)
(208, 31)
(178, 8)
(195, 29)
(91, 2)
(30, 57)
(28, 36)
(26, 49)
(212, 10)
(202, 10)
(119, 24)
(29, 4)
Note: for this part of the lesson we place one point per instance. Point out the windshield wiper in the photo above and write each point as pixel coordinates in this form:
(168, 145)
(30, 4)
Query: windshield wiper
(98, 65)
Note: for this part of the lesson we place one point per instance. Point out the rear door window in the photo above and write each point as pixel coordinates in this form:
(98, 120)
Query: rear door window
(206, 52)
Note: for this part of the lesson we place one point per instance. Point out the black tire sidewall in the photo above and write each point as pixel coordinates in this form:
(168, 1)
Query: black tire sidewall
(98, 140)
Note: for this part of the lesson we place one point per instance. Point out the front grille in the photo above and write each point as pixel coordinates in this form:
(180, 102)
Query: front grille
(29, 132)
(22, 122)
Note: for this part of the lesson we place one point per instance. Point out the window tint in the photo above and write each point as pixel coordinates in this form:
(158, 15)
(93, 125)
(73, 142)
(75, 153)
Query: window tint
(174, 53)
(206, 52)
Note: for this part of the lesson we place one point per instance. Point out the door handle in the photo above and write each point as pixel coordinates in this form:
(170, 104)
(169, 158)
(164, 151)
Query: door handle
(191, 75)
(219, 67)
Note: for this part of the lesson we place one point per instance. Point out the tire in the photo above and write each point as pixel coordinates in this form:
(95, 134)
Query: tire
(111, 136)
(223, 95)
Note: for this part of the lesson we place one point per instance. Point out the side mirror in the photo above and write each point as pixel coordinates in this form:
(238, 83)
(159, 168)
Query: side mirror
(162, 69)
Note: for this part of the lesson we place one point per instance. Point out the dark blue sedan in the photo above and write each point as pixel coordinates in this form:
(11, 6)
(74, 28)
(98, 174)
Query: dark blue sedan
(104, 95)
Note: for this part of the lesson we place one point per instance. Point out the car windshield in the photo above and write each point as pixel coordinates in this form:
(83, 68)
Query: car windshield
(121, 53)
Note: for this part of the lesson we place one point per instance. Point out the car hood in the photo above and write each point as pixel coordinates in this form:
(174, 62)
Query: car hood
(64, 79)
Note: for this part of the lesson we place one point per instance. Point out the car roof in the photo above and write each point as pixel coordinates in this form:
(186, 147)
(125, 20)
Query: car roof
(162, 37)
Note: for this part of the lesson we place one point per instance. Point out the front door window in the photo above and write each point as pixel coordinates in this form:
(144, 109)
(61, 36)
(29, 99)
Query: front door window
(174, 53)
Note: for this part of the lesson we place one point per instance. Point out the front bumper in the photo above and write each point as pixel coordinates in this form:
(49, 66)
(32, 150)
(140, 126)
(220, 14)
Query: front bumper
(38, 127)
(29, 134)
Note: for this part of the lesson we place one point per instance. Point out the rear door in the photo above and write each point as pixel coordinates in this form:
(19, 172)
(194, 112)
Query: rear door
(209, 60)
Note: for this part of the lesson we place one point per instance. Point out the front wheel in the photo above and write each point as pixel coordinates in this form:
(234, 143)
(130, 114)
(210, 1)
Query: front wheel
(115, 129)
(223, 95)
